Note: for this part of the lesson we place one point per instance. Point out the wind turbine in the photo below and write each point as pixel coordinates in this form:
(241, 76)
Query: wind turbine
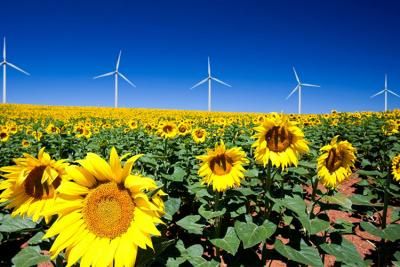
(298, 87)
(209, 78)
(4, 63)
(116, 73)
(386, 91)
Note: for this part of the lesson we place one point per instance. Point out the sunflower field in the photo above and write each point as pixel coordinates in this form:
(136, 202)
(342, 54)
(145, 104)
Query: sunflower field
(141, 187)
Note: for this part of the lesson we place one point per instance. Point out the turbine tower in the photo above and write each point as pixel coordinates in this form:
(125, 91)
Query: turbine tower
(209, 78)
(5, 63)
(386, 91)
(298, 87)
(116, 73)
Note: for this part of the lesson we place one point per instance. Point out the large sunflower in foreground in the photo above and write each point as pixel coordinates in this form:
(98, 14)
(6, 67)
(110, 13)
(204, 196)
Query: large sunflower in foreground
(223, 168)
(30, 184)
(335, 163)
(105, 213)
(279, 141)
(396, 168)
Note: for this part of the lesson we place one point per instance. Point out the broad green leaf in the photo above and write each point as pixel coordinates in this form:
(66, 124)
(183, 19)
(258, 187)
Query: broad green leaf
(36, 239)
(345, 252)
(338, 199)
(306, 255)
(391, 232)
(318, 225)
(29, 256)
(14, 224)
(171, 207)
(251, 234)
(370, 173)
(209, 214)
(189, 223)
(298, 206)
(299, 170)
(253, 173)
(145, 257)
(177, 175)
(229, 243)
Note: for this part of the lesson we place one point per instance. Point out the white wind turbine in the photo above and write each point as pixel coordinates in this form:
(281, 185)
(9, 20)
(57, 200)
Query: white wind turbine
(4, 63)
(298, 87)
(209, 78)
(386, 91)
(116, 73)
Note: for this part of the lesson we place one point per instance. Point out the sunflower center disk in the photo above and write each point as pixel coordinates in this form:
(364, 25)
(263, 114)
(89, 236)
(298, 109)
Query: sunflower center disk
(108, 210)
(334, 160)
(221, 164)
(33, 184)
(167, 129)
(278, 139)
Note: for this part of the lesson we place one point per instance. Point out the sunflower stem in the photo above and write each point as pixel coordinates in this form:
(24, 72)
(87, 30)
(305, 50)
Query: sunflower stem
(313, 194)
(217, 198)
(267, 211)
(386, 197)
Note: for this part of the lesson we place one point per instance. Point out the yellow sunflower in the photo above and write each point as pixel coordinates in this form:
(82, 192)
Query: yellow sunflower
(167, 130)
(4, 135)
(184, 128)
(105, 213)
(335, 163)
(223, 168)
(279, 141)
(396, 168)
(52, 129)
(30, 184)
(199, 135)
(25, 143)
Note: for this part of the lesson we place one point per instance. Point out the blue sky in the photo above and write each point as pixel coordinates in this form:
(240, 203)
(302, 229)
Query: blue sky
(345, 46)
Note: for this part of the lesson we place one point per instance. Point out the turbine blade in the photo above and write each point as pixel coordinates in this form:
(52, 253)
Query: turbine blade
(295, 74)
(17, 68)
(393, 93)
(118, 60)
(310, 85)
(104, 75)
(199, 83)
(381, 92)
(293, 91)
(221, 82)
(209, 67)
(126, 79)
(4, 49)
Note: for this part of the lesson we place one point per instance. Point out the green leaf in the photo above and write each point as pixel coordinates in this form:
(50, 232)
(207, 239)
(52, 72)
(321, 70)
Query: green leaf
(208, 214)
(36, 239)
(318, 225)
(298, 206)
(253, 173)
(145, 257)
(391, 232)
(370, 173)
(177, 175)
(171, 207)
(306, 255)
(29, 256)
(251, 234)
(229, 243)
(345, 252)
(189, 223)
(338, 199)
(14, 224)
(194, 251)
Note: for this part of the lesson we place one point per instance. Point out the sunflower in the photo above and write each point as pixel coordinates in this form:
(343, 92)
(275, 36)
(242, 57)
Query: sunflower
(52, 129)
(396, 168)
(105, 213)
(4, 135)
(199, 135)
(335, 163)
(133, 124)
(184, 128)
(25, 143)
(279, 141)
(223, 168)
(167, 130)
(30, 185)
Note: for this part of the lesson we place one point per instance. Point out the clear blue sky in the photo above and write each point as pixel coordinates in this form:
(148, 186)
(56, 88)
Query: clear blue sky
(345, 46)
